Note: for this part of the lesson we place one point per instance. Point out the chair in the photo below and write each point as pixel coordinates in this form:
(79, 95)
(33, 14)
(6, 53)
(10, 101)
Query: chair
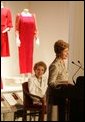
(19, 112)
(35, 109)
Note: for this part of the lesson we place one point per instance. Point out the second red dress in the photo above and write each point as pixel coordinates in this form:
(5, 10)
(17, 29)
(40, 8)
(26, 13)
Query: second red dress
(6, 22)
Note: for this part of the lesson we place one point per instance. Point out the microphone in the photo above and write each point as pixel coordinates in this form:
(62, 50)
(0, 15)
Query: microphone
(79, 62)
(78, 65)
(75, 72)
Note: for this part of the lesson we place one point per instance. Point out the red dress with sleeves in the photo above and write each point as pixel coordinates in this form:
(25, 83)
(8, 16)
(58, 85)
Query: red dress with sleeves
(6, 21)
(26, 27)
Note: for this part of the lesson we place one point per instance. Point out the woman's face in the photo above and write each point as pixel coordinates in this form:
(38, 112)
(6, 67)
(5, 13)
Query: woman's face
(64, 54)
(39, 71)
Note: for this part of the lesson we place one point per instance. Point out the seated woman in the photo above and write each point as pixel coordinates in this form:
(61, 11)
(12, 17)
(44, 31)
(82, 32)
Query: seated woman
(37, 83)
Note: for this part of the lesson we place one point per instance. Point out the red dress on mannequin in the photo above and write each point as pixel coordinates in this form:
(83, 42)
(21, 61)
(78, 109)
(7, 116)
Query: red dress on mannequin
(26, 27)
(6, 22)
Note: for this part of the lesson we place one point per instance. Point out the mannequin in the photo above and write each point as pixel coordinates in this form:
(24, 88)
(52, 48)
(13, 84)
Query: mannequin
(25, 13)
(26, 32)
(6, 25)
(2, 5)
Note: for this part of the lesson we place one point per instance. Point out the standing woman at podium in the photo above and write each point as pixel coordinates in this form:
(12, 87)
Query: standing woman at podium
(58, 77)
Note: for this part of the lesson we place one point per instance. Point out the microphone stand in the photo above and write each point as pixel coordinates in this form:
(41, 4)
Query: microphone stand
(75, 74)
(76, 71)
(78, 65)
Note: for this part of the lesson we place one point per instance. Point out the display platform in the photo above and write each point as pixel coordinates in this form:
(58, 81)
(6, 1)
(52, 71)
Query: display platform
(11, 95)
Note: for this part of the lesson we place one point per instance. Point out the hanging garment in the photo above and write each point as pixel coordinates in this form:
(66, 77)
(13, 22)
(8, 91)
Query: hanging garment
(26, 27)
(6, 22)
(1, 84)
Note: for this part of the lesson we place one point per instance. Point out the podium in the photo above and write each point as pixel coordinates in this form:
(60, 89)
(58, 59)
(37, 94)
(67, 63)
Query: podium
(69, 99)
(77, 101)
